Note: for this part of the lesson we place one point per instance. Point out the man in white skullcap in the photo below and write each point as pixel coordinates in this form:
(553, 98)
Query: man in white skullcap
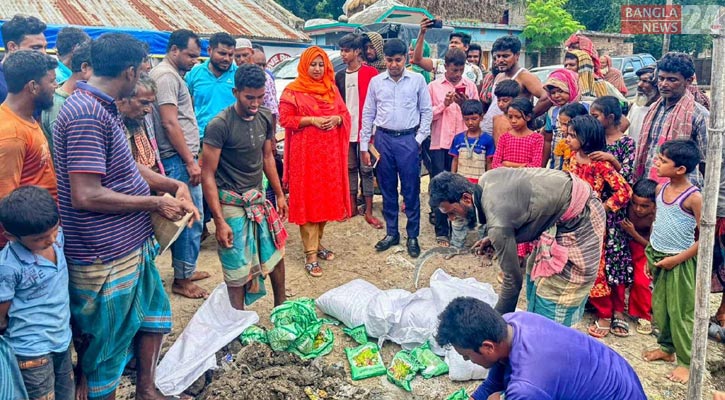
(243, 51)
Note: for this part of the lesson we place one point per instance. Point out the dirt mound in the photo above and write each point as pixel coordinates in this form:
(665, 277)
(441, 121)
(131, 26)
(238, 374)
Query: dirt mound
(259, 373)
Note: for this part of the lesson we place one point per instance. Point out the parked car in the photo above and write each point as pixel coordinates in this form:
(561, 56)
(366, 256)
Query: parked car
(543, 72)
(286, 71)
(629, 66)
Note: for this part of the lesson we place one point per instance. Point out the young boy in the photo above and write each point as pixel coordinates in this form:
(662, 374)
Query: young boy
(638, 224)
(472, 153)
(472, 150)
(353, 84)
(672, 255)
(34, 302)
(505, 92)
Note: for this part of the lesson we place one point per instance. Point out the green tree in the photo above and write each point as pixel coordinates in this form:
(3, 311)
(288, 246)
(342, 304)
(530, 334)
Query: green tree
(548, 24)
(308, 9)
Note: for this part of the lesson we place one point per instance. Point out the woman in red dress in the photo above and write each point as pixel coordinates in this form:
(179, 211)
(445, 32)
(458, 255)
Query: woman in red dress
(317, 135)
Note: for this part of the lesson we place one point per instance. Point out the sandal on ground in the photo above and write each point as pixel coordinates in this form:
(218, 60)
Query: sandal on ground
(374, 222)
(718, 319)
(716, 332)
(618, 323)
(314, 269)
(644, 327)
(594, 328)
(325, 254)
(442, 241)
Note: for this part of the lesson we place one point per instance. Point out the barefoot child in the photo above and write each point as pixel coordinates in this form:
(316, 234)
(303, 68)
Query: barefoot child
(34, 301)
(472, 153)
(672, 255)
(586, 136)
(619, 152)
(638, 225)
(506, 91)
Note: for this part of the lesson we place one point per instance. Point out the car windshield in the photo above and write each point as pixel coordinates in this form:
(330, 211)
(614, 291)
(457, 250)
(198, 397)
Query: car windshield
(287, 69)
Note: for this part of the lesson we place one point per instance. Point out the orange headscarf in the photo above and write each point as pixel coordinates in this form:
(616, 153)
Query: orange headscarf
(323, 89)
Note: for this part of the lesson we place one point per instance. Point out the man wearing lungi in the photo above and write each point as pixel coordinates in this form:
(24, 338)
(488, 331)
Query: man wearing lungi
(552, 208)
(238, 148)
(118, 303)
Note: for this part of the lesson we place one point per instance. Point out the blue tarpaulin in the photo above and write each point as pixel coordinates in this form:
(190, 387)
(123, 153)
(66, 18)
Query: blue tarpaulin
(156, 39)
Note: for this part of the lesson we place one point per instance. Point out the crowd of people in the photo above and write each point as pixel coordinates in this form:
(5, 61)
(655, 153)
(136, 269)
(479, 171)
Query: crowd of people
(600, 200)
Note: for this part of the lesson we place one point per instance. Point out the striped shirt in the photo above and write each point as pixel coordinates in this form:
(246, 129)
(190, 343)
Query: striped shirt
(89, 138)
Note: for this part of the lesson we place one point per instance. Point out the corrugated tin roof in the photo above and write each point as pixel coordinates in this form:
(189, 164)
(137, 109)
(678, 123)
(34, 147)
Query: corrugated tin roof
(261, 19)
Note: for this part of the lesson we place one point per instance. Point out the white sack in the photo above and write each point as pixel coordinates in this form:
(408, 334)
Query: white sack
(348, 303)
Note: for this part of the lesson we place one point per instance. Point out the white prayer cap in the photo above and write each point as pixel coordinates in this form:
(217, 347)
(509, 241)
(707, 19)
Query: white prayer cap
(243, 43)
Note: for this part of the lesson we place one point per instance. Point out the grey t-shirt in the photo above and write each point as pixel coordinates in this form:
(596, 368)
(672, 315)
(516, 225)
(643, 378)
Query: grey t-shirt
(535, 199)
(171, 89)
(242, 144)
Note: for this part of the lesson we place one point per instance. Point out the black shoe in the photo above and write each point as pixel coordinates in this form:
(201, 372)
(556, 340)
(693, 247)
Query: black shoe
(386, 242)
(413, 247)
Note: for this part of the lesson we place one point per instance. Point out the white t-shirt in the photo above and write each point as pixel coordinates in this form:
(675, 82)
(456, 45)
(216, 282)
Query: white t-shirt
(471, 71)
(352, 99)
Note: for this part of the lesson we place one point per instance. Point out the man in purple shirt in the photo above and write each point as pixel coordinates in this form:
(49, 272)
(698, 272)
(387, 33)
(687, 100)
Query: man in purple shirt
(532, 357)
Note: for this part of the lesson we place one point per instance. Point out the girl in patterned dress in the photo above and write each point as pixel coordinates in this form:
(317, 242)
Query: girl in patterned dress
(620, 152)
(585, 136)
(520, 147)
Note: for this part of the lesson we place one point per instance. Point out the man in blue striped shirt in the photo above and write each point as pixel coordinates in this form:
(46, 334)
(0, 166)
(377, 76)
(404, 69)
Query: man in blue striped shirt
(398, 104)
(117, 297)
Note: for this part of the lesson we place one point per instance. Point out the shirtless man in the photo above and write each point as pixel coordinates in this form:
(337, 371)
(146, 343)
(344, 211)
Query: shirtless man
(506, 51)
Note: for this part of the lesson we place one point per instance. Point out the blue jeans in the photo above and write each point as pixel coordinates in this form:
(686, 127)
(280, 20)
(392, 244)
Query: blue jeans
(50, 376)
(185, 250)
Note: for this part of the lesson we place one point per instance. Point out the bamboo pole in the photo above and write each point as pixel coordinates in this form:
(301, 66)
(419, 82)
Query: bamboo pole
(708, 219)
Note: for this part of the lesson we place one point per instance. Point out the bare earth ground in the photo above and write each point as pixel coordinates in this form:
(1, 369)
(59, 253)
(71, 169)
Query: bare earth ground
(258, 373)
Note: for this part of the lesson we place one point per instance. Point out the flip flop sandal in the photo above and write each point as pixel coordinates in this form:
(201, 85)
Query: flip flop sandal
(716, 332)
(314, 269)
(644, 327)
(374, 222)
(620, 324)
(594, 328)
(325, 254)
(442, 241)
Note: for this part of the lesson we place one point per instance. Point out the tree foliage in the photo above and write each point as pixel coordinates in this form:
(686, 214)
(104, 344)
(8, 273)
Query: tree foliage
(548, 24)
(309, 9)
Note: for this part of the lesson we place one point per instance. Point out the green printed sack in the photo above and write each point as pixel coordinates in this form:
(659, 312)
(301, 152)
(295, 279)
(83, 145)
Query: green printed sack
(254, 334)
(402, 369)
(282, 337)
(357, 334)
(459, 395)
(300, 311)
(313, 342)
(431, 365)
(365, 361)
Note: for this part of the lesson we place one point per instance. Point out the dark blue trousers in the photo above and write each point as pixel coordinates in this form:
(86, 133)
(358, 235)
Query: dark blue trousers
(399, 157)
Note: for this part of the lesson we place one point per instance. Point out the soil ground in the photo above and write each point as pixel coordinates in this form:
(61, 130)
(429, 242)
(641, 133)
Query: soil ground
(258, 373)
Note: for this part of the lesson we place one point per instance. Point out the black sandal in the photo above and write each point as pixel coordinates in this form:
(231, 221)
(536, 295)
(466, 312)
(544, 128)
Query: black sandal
(325, 254)
(620, 324)
(314, 269)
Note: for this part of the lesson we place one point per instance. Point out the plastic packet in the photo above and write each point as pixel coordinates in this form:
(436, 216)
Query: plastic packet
(365, 361)
(300, 311)
(431, 365)
(313, 342)
(282, 337)
(254, 334)
(402, 369)
(459, 395)
(357, 334)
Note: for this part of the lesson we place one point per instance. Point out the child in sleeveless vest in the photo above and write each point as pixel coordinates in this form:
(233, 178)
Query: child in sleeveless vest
(672, 255)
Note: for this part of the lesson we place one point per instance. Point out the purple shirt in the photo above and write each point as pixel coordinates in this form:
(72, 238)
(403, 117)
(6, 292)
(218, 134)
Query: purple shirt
(549, 361)
(89, 138)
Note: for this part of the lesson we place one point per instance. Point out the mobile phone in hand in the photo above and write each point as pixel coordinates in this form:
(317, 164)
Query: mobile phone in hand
(461, 91)
(437, 23)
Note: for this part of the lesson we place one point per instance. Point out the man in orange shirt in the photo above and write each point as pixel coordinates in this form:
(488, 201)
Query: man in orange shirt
(24, 151)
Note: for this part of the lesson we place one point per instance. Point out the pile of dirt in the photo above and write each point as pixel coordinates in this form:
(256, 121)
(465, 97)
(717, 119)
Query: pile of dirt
(259, 373)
